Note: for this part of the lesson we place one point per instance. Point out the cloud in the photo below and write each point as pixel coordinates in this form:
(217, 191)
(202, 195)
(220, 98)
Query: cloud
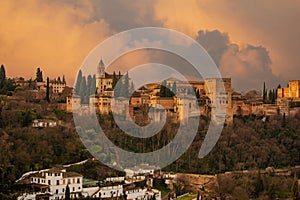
(54, 36)
(125, 14)
(270, 23)
(57, 34)
(248, 66)
(215, 43)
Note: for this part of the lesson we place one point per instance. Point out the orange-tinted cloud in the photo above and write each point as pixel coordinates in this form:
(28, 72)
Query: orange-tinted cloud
(57, 34)
(51, 35)
(270, 23)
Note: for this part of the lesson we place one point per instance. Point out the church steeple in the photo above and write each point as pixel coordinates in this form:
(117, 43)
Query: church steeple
(101, 68)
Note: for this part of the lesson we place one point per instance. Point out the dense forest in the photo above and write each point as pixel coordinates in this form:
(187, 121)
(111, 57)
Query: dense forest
(248, 143)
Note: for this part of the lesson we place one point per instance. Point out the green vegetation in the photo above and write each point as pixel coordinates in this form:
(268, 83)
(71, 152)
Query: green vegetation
(39, 75)
(248, 143)
(160, 185)
(294, 104)
(254, 186)
(6, 85)
(47, 98)
(188, 197)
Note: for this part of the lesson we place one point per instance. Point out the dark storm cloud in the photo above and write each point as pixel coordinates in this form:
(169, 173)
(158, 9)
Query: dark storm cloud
(214, 42)
(125, 14)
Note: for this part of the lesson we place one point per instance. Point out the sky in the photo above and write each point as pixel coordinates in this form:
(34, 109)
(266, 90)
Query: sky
(250, 41)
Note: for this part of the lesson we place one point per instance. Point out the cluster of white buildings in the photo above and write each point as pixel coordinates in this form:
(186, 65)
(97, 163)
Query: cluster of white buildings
(44, 123)
(52, 184)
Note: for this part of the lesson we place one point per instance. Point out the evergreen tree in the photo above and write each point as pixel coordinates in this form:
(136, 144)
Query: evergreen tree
(48, 90)
(115, 80)
(67, 193)
(279, 86)
(39, 75)
(168, 91)
(126, 86)
(124, 195)
(131, 89)
(83, 90)
(1, 118)
(273, 96)
(89, 85)
(270, 96)
(25, 118)
(264, 93)
(2, 77)
(283, 120)
(78, 82)
(93, 85)
(163, 89)
(271, 191)
(174, 89)
(118, 89)
(259, 185)
(30, 83)
(295, 193)
(198, 94)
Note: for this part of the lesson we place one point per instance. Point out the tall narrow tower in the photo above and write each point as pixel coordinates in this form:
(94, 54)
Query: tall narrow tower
(101, 69)
(100, 75)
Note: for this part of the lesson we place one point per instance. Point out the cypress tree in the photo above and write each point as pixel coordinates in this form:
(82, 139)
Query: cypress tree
(39, 75)
(264, 93)
(82, 90)
(295, 193)
(67, 193)
(115, 80)
(89, 85)
(273, 96)
(259, 185)
(168, 91)
(131, 87)
(78, 82)
(2, 77)
(283, 124)
(93, 85)
(48, 90)
(126, 86)
(198, 94)
(270, 97)
(174, 88)
(163, 89)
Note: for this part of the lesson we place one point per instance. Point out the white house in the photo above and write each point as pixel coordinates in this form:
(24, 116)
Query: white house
(143, 169)
(143, 194)
(103, 192)
(115, 179)
(42, 123)
(53, 183)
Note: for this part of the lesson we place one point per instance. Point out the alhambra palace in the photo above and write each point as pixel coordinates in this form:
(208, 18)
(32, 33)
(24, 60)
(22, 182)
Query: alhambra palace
(183, 105)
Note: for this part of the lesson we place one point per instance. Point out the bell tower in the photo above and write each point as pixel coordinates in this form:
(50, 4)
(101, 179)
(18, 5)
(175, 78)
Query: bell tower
(99, 76)
(101, 69)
